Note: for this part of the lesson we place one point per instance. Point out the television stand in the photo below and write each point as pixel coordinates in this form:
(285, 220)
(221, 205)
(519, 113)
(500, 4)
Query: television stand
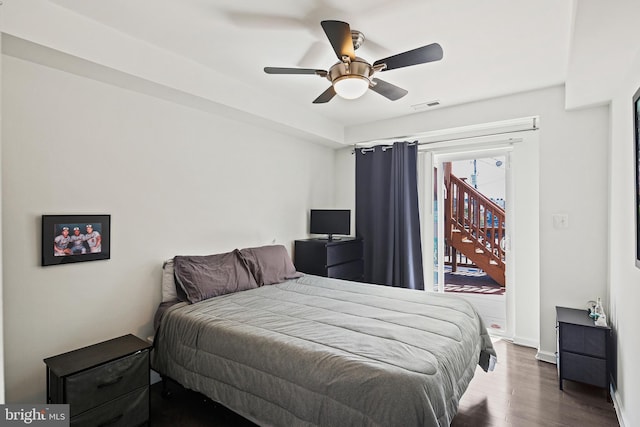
(340, 259)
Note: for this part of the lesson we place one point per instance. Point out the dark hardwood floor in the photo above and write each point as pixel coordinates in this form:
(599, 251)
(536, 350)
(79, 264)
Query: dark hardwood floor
(521, 392)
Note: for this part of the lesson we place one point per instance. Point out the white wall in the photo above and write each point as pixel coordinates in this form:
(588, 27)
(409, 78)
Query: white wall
(345, 182)
(1, 274)
(32, 25)
(175, 180)
(624, 277)
(604, 39)
(573, 180)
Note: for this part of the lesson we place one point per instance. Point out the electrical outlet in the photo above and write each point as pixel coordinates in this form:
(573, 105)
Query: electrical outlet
(560, 221)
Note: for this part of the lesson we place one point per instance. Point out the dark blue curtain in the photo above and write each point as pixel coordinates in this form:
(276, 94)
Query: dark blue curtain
(387, 216)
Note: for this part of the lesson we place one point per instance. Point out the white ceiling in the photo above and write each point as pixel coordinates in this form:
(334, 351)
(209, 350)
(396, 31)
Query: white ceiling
(491, 48)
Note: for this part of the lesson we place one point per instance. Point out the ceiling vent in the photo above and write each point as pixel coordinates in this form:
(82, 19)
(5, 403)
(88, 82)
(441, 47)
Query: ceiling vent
(425, 105)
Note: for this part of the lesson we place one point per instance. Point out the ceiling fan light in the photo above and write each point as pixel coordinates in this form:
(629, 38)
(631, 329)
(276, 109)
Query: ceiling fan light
(351, 86)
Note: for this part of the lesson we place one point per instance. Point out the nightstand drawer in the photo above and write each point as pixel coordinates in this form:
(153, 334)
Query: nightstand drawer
(348, 271)
(585, 369)
(340, 253)
(129, 410)
(98, 385)
(588, 341)
(340, 259)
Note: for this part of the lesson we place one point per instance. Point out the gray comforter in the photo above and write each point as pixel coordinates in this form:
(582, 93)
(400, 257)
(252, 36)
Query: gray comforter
(326, 352)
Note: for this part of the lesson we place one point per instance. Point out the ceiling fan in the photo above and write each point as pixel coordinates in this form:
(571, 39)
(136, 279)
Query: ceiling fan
(351, 76)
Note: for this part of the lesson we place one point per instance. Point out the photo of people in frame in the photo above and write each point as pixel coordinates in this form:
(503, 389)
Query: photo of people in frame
(77, 239)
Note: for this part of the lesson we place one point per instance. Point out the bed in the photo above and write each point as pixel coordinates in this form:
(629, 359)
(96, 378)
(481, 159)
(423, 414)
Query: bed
(314, 351)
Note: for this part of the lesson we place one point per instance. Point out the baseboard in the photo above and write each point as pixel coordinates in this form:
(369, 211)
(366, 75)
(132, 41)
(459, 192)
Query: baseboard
(498, 334)
(546, 356)
(616, 406)
(525, 342)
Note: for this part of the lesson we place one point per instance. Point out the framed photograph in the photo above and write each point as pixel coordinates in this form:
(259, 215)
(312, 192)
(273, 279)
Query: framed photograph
(636, 150)
(75, 238)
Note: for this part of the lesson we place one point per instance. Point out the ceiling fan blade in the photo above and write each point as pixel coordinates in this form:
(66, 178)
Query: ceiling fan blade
(325, 96)
(339, 35)
(388, 90)
(421, 55)
(282, 70)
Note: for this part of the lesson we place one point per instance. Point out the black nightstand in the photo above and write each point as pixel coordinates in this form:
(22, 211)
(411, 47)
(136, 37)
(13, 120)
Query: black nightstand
(583, 348)
(104, 384)
(340, 259)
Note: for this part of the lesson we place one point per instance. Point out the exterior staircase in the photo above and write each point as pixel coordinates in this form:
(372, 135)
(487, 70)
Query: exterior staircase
(474, 226)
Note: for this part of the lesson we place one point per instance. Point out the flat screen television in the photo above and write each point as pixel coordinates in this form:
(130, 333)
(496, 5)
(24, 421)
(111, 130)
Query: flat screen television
(330, 222)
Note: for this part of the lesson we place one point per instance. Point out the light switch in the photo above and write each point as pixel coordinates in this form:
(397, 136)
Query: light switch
(560, 221)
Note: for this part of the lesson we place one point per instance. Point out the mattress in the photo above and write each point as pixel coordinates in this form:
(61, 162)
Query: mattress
(325, 352)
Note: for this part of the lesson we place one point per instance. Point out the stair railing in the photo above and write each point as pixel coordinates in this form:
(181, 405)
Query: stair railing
(477, 217)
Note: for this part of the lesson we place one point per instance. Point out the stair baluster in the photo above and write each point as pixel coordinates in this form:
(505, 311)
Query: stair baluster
(474, 226)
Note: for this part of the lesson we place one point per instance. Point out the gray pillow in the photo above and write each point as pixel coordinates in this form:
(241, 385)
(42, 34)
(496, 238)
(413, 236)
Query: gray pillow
(206, 276)
(169, 292)
(269, 264)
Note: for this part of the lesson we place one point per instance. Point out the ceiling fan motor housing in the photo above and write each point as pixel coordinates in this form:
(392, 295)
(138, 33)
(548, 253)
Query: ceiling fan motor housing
(358, 68)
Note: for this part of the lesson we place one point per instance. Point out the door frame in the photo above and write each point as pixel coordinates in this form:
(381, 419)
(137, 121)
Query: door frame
(522, 208)
(479, 152)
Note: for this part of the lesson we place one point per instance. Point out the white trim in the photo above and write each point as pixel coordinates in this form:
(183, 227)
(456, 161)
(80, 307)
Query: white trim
(525, 342)
(615, 397)
(476, 144)
(453, 154)
(510, 256)
(2, 360)
(440, 222)
(503, 335)
(546, 356)
(425, 199)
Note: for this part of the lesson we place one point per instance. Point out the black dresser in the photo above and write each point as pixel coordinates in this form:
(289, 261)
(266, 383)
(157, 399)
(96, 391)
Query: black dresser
(104, 384)
(340, 259)
(583, 348)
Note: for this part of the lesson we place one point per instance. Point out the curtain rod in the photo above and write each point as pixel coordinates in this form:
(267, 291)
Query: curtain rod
(465, 132)
(436, 144)
(383, 147)
(475, 137)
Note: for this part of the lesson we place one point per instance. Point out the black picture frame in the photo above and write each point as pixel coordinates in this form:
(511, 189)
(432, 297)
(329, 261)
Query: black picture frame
(636, 166)
(60, 249)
